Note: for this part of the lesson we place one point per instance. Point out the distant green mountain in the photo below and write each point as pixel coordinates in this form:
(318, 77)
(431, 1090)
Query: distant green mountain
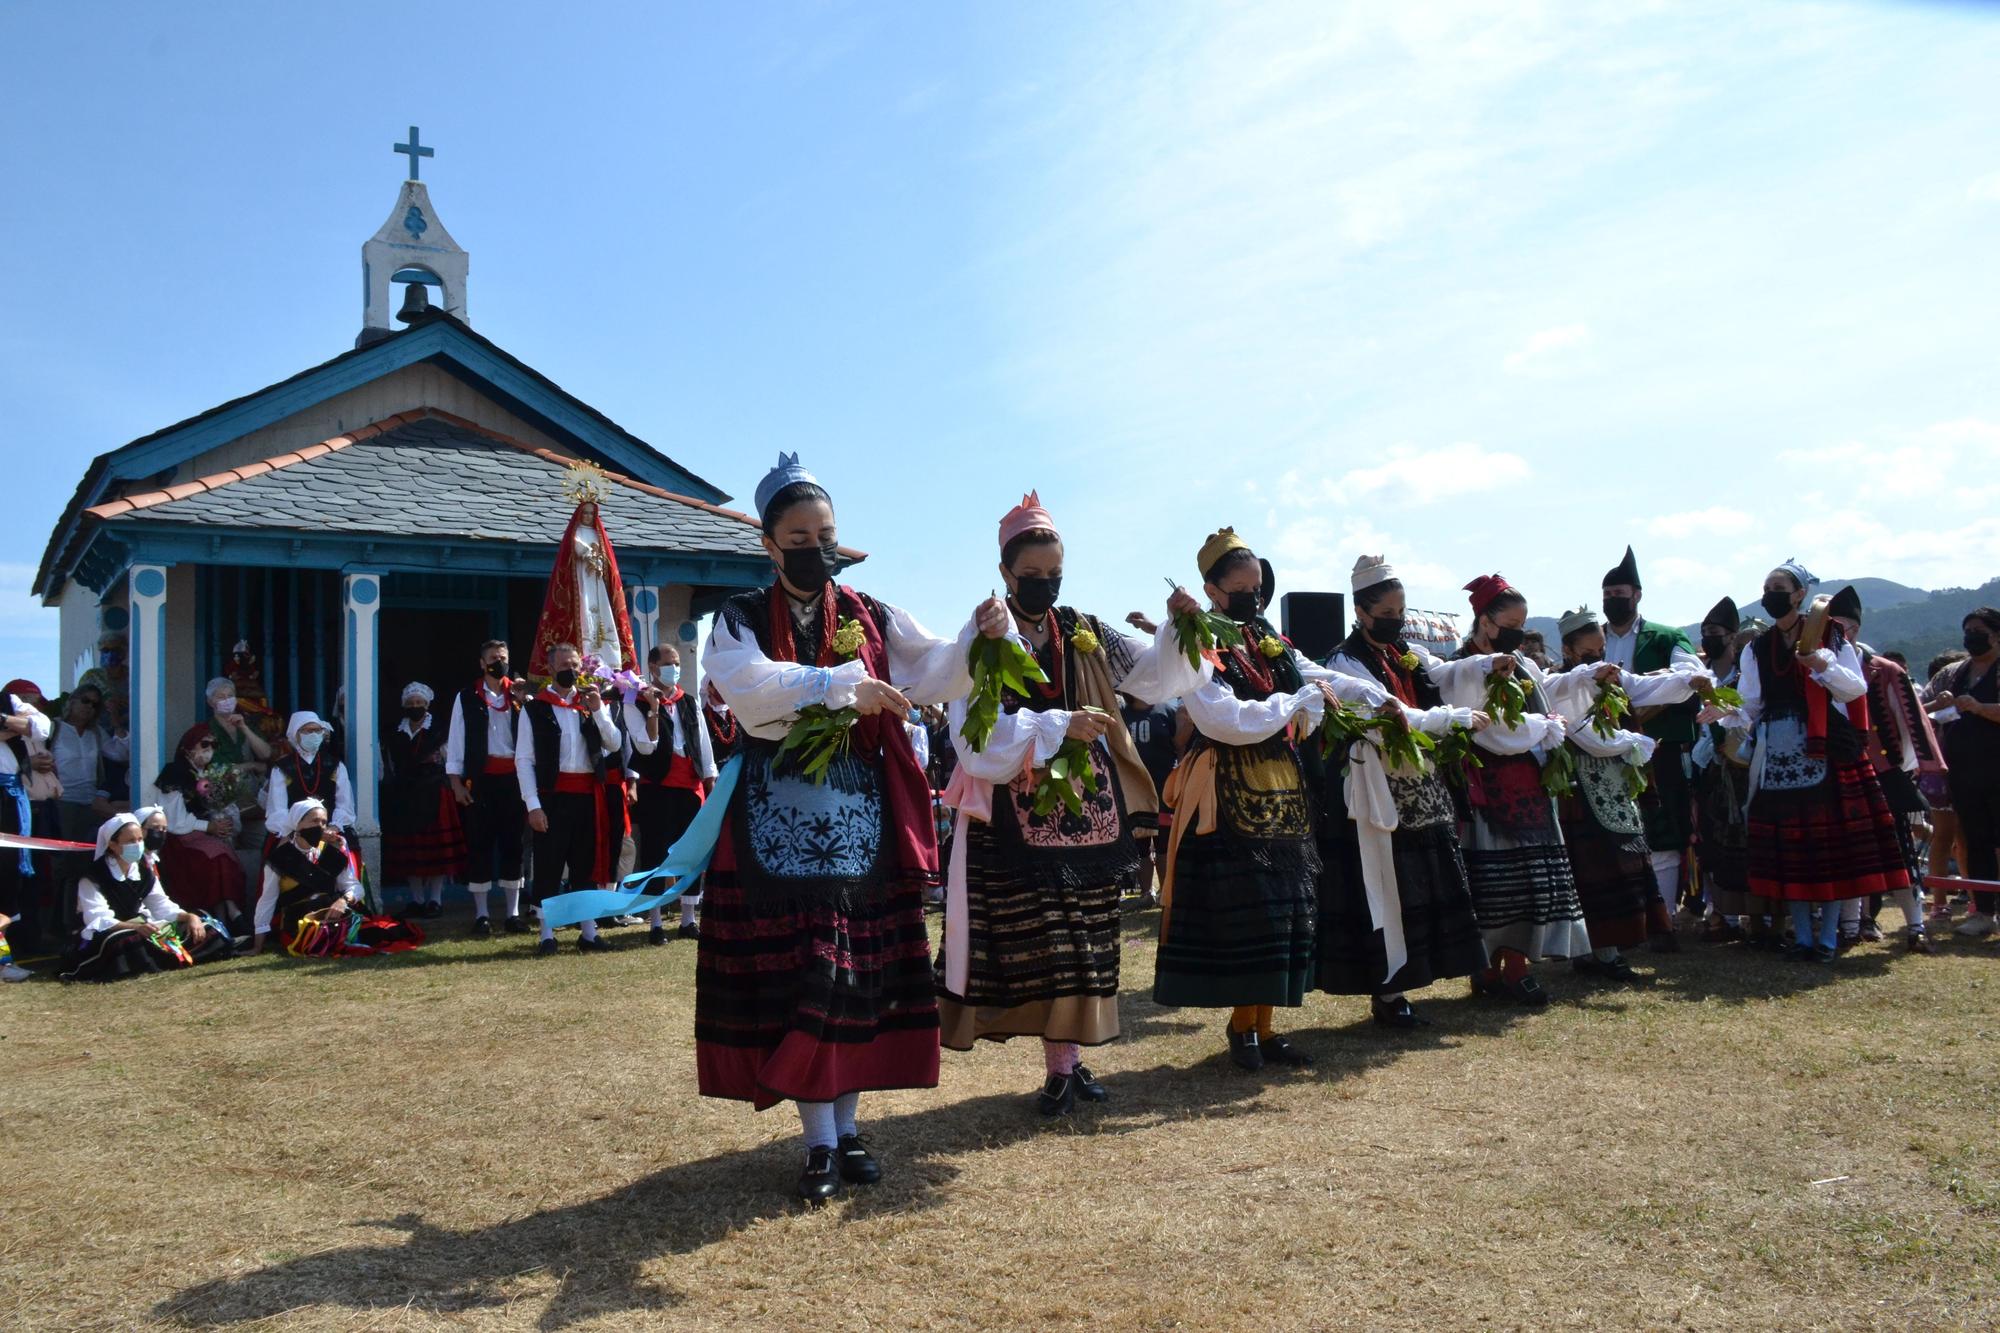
(1895, 617)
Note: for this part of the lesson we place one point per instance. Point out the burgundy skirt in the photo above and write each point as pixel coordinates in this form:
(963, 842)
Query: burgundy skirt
(421, 853)
(1826, 843)
(811, 1002)
(201, 872)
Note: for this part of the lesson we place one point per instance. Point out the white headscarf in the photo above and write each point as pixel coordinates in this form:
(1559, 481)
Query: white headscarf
(146, 812)
(288, 824)
(109, 830)
(299, 721)
(421, 690)
(1370, 570)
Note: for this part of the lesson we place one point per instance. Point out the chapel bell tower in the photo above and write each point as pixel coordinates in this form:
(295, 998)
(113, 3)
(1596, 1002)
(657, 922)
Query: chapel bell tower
(412, 249)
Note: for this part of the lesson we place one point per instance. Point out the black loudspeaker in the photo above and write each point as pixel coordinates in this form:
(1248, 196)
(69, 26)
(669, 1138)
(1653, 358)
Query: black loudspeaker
(1315, 622)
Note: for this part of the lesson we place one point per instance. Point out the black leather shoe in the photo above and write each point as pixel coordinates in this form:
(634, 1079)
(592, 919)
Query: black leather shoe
(596, 944)
(515, 925)
(1526, 992)
(820, 1180)
(546, 948)
(1245, 1051)
(1058, 1096)
(1618, 969)
(482, 929)
(1278, 1049)
(657, 935)
(433, 910)
(1397, 1014)
(1825, 956)
(1087, 1086)
(857, 1165)
(690, 931)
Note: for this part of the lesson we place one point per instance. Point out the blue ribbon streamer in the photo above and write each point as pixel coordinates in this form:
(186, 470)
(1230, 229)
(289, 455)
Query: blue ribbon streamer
(686, 860)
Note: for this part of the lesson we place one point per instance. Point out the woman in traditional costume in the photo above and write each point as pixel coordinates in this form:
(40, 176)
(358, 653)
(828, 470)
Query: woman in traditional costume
(1821, 831)
(1419, 889)
(130, 926)
(199, 857)
(1603, 828)
(813, 973)
(311, 772)
(312, 897)
(1031, 900)
(1522, 887)
(1721, 793)
(1238, 893)
(423, 842)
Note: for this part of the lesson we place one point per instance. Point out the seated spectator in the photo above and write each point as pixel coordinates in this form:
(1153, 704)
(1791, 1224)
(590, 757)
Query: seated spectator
(236, 741)
(311, 772)
(313, 898)
(79, 747)
(130, 926)
(198, 859)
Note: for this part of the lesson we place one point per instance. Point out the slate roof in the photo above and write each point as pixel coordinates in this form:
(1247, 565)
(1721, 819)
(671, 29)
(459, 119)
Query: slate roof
(430, 474)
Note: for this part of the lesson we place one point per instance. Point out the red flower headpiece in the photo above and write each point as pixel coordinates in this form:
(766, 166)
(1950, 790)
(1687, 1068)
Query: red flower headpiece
(1485, 589)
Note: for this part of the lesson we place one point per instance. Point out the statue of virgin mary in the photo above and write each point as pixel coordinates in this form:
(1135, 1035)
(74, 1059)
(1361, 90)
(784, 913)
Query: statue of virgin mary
(585, 602)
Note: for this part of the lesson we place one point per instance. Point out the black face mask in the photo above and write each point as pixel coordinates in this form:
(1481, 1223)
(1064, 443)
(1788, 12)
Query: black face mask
(1777, 603)
(565, 678)
(156, 838)
(1506, 640)
(497, 669)
(312, 837)
(810, 568)
(1386, 629)
(415, 714)
(1243, 607)
(1619, 610)
(1034, 596)
(1713, 646)
(1978, 642)
(1591, 659)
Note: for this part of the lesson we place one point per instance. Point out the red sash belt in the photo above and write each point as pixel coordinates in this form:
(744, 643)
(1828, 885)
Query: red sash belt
(680, 773)
(497, 767)
(577, 784)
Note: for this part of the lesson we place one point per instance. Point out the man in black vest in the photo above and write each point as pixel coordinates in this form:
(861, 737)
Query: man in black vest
(559, 751)
(479, 764)
(674, 765)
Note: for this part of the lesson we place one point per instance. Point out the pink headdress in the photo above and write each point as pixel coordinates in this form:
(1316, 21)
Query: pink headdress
(1027, 516)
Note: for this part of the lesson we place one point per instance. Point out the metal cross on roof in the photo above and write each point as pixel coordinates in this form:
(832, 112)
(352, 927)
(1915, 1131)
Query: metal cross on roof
(415, 150)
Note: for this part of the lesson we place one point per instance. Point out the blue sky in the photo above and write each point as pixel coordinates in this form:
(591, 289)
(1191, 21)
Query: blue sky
(1482, 286)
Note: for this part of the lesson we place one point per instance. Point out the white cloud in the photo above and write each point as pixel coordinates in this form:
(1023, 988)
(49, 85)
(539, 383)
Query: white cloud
(1548, 352)
(1986, 189)
(1714, 521)
(1422, 476)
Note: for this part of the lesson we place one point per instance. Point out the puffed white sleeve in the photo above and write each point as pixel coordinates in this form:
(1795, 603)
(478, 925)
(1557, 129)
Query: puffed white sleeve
(705, 753)
(1749, 684)
(1669, 687)
(179, 819)
(1458, 674)
(91, 906)
(524, 762)
(766, 695)
(1843, 680)
(1017, 738)
(1570, 692)
(267, 902)
(274, 800)
(607, 730)
(1155, 673)
(1364, 692)
(158, 907)
(348, 882)
(342, 814)
(454, 741)
(927, 669)
(1219, 715)
(635, 727)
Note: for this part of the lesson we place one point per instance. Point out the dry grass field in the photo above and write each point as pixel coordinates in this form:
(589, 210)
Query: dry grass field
(467, 1137)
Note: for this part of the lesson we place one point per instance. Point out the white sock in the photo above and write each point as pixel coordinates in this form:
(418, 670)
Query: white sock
(687, 911)
(653, 918)
(513, 892)
(548, 931)
(589, 928)
(1850, 915)
(816, 1119)
(1905, 901)
(1667, 875)
(1605, 955)
(479, 892)
(845, 1108)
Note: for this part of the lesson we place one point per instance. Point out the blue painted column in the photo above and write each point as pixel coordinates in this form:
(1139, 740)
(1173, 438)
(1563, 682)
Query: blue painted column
(146, 597)
(361, 672)
(645, 615)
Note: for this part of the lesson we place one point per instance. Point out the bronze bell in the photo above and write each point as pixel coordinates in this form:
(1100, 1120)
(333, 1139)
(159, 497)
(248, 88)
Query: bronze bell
(416, 303)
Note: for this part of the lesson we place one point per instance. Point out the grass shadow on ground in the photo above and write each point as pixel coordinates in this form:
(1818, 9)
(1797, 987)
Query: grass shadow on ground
(599, 1247)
